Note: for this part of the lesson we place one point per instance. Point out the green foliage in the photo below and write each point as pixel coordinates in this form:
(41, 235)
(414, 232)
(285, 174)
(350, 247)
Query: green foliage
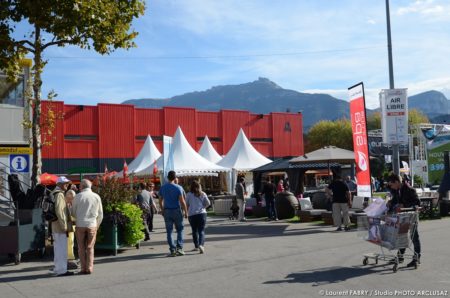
(133, 228)
(374, 121)
(101, 25)
(414, 117)
(418, 181)
(118, 205)
(325, 133)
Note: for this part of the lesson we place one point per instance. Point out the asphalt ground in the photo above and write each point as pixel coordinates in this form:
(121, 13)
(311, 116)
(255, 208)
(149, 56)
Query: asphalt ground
(252, 259)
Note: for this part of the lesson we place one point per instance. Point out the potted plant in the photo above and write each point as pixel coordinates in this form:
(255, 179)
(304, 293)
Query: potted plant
(122, 221)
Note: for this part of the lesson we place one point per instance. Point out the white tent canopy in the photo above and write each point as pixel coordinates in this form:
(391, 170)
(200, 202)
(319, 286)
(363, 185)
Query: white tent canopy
(207, 151)
(145, 159)
(243, 156)
(187, 162)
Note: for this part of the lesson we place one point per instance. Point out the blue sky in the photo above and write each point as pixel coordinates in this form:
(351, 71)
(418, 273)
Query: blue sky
(315, 46)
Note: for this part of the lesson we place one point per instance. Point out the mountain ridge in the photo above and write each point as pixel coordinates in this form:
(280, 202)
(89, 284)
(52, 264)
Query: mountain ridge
(264, 96)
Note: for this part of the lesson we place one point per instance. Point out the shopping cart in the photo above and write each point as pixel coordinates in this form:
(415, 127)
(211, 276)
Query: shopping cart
(390, 232)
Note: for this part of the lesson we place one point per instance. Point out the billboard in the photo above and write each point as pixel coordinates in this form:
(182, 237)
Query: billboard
(360, 144)
(438, 138)
(394, 116)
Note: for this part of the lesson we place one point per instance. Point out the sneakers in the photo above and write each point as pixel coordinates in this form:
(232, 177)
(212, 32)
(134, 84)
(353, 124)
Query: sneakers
(413, 263)
(202, 249)
(180, 252)
(346, 229)
(195, 249)
(338, 229)
(243, 220)
(172, 254)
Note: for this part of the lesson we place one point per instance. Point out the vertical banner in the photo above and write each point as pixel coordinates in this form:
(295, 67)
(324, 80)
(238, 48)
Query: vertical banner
(360, 144)
(167, 156)
(394, 116)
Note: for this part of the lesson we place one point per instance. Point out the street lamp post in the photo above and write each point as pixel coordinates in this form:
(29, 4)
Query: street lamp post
(395, 147)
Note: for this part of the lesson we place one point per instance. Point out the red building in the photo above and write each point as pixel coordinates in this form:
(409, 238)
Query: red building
(90, 136)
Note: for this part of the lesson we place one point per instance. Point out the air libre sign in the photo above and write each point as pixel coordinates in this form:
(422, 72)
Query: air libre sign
(394, 116)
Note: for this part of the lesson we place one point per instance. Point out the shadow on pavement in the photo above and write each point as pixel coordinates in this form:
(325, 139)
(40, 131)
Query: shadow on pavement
(327, 275)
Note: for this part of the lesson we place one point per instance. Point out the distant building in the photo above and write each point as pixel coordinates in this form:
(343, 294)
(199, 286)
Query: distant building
(90, 136)
(14, 138)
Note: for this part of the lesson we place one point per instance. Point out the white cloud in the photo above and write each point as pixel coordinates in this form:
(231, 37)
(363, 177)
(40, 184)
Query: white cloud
(371, 94)
(427, 8)
(371, 21)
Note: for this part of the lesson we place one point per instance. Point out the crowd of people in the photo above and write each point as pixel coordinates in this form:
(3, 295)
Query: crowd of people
(80, 214)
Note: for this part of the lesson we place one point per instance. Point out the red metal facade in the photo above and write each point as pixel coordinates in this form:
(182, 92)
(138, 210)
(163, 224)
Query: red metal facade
(119, 131)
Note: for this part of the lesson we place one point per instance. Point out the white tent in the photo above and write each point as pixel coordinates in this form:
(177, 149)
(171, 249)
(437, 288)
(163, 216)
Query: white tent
(207, 151)
(243, 156)
(187, 162)
(145, 159)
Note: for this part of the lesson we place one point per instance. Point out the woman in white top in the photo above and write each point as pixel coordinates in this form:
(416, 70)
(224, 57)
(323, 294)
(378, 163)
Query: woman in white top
(197, 202)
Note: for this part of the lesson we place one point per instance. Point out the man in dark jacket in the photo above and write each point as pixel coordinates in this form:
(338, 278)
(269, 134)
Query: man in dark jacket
(404, 196)
(269, 190)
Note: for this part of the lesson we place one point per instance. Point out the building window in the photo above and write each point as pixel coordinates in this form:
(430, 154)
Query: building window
(287, 126)
(263, 140)
(200, 139)
(79, 137)
(154, 138)
(12, 93)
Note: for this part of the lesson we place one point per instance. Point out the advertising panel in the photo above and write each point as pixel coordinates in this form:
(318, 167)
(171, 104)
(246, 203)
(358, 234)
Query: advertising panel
(360, 144)
(438, 141)
(394, 116)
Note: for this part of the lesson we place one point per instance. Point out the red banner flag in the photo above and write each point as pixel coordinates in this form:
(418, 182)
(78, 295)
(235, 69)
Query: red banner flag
(125, 169)
(360, 144)
(155, 168)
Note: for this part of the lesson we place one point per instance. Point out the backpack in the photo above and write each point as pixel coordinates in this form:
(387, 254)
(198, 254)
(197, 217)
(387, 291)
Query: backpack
(49, 206)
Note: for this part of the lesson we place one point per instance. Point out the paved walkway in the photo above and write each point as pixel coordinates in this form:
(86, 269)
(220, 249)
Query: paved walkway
(253, 259)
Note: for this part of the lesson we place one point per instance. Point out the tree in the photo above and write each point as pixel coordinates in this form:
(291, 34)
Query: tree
(101, 25)
(325, 133)
(414, 117)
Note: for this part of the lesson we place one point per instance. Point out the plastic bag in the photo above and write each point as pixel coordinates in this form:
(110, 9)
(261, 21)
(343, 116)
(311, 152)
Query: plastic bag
(376, 208)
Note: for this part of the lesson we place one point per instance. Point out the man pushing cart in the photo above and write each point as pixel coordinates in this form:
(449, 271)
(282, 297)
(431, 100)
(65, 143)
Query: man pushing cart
(391, 231)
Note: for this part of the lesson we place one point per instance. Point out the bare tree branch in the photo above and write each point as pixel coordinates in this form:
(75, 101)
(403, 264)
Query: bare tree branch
(58, 42)
(22, 43)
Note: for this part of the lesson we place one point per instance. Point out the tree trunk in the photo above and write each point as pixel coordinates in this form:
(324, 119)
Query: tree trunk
(36, 108)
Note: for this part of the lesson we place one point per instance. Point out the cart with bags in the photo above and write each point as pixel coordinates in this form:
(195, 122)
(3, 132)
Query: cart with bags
(390, 232)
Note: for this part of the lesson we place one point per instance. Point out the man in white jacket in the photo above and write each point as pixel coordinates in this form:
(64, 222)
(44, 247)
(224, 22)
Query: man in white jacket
(88, 212)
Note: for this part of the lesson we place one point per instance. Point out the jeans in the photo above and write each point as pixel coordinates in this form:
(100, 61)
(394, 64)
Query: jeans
(416, 242)
(174, 217)
(198, 223)
(271, 210)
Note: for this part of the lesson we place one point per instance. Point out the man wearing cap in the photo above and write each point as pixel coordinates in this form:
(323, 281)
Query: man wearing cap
(88, 212)
(60, 228)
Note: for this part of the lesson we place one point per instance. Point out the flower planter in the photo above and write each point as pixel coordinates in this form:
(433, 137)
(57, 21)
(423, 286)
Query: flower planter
(112, 237)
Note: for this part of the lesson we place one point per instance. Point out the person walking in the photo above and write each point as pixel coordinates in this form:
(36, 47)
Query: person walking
(143, 201)
(88, 212)
(240, 197)
(197, 201)
(269, 191)
(153, 208)
(60, 228)
(341, 202)
(171, 199)
(404, 196)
